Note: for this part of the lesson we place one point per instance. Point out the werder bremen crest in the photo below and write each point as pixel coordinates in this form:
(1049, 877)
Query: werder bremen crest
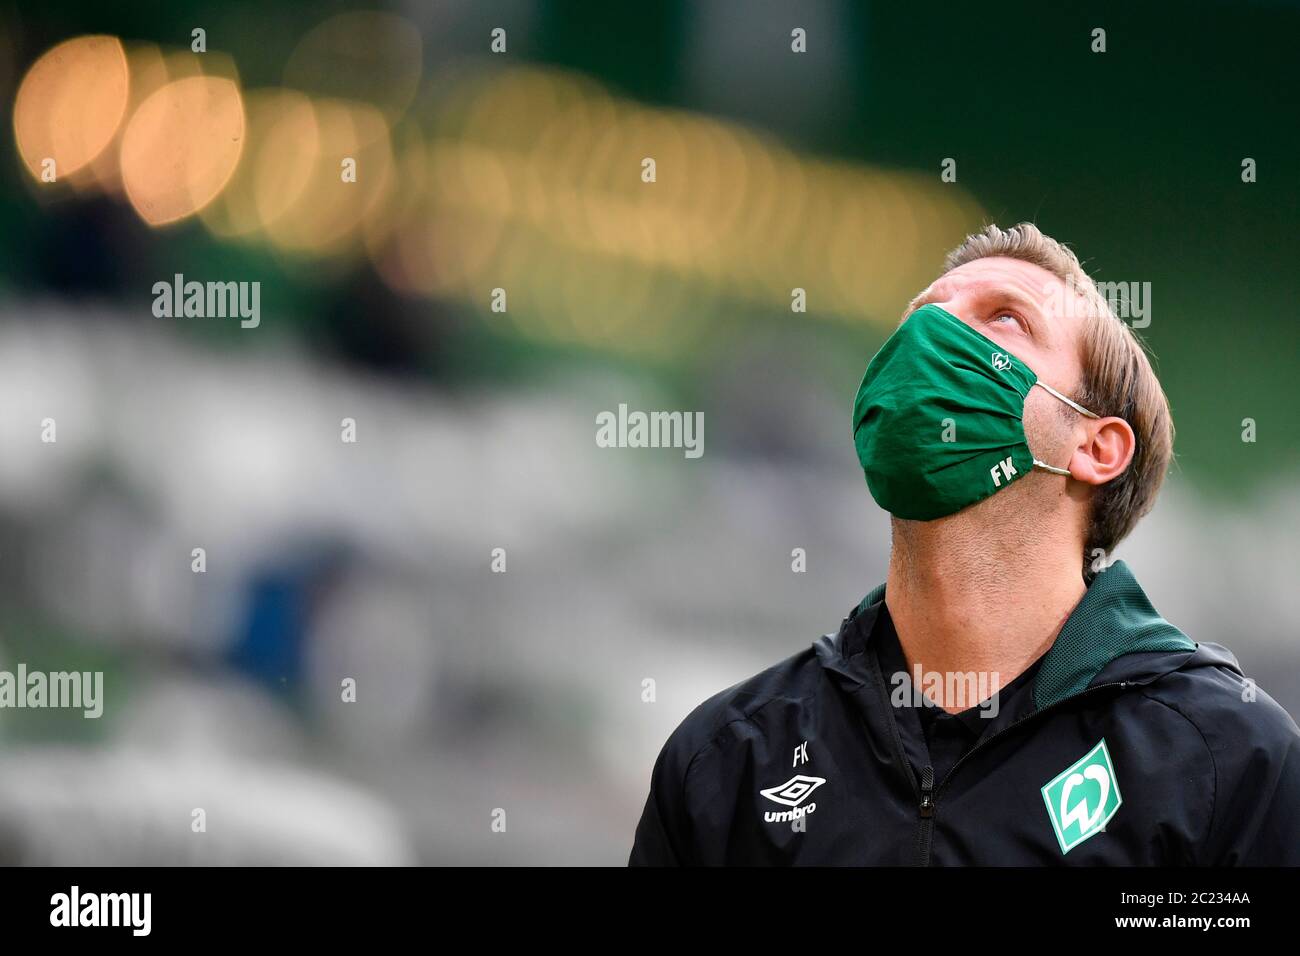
(1083, 797)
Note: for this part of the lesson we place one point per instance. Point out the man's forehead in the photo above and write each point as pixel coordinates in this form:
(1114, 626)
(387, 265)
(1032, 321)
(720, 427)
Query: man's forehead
(1001, 274)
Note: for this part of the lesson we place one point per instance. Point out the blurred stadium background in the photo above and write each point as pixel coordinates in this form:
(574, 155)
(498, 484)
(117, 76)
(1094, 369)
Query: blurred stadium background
(521, 170)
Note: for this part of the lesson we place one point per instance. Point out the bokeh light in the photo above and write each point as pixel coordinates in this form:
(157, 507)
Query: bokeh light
(360, 55)
(70, 104)
(181, 147)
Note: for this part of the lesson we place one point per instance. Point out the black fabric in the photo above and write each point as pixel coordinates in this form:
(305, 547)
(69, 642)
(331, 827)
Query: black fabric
(945, 737)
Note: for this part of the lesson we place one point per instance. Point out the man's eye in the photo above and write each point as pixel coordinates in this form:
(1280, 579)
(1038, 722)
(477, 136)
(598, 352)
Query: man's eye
(1007, 316)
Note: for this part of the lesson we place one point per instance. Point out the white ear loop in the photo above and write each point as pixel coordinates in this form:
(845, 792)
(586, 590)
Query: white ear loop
(1078, 408)
(1073, 404)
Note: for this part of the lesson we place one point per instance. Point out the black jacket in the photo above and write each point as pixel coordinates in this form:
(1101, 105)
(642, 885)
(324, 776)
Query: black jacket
(1135, 747)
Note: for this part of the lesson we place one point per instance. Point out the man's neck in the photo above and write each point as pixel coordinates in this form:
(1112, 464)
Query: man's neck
(963, 604)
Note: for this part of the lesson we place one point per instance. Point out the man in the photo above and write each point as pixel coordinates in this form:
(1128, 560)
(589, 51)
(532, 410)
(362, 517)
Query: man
(1008, 696)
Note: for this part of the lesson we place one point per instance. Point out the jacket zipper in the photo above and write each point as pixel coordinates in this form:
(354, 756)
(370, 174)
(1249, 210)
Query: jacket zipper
(926, 810)
(924, 795)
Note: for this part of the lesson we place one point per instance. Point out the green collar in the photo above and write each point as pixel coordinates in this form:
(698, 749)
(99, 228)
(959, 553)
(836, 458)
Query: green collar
(1114, 618)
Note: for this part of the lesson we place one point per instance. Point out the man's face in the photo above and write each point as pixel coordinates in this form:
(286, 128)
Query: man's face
(1039, 319)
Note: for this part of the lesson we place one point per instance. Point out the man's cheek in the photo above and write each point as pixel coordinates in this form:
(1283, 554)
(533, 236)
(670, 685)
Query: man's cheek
(1049, 433)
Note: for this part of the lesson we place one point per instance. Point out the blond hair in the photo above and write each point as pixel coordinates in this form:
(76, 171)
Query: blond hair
(1117, 379)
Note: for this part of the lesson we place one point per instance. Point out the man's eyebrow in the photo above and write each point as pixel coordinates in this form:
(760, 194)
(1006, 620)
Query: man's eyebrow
(1013, 295)
(1029, 306)
(985, 291)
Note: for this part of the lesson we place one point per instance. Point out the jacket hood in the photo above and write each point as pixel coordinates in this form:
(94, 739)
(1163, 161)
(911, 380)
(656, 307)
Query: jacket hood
(1114, 629)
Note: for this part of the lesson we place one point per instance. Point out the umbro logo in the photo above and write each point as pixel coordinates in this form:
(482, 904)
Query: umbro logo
(792, 794)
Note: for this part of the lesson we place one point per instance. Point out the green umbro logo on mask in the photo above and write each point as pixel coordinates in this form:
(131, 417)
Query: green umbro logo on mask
(1083, 797)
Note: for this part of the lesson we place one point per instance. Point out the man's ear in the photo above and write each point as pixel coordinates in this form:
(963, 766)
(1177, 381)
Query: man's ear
(1104, 453)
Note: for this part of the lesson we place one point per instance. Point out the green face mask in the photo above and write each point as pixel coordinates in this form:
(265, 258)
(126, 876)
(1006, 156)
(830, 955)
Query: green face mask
(938, 418)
